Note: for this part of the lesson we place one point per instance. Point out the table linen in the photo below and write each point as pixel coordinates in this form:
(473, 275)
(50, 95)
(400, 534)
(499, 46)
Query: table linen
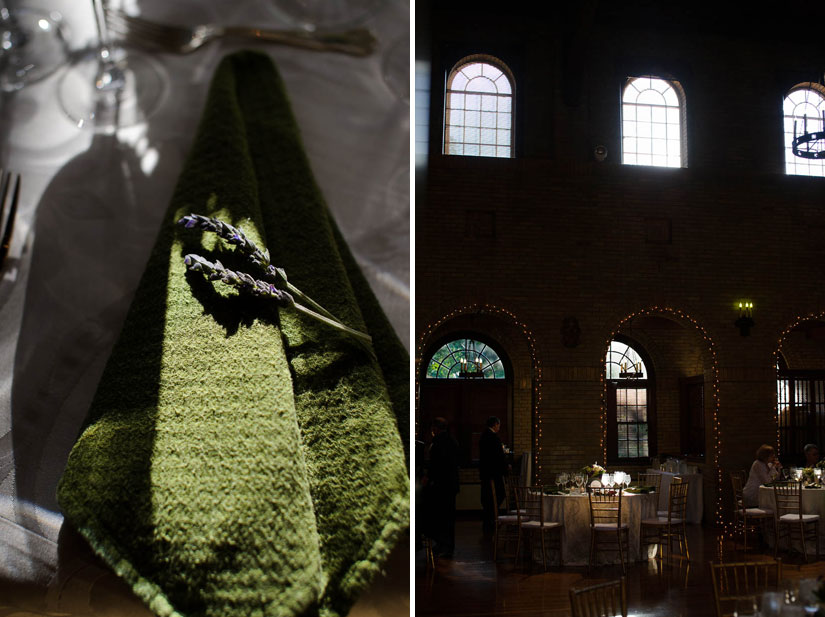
(573, 511)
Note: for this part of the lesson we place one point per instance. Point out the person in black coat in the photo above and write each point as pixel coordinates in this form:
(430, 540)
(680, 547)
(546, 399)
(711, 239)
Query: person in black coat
(492, 466)
(442, 487)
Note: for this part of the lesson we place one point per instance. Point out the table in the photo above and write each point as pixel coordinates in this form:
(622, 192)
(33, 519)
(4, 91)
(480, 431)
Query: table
(695, 506)
(573, 511)
(89, 212)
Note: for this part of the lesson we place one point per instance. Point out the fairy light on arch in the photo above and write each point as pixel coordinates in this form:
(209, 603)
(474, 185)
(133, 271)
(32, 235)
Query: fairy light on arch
(491, 309)
(717, 436)
(798, 321)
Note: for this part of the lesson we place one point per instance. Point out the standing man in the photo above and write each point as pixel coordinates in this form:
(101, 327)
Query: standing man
(442, 482)
(492, 465)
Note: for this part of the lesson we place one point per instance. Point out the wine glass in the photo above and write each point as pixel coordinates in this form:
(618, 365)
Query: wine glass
(31, 46)
(111, 87)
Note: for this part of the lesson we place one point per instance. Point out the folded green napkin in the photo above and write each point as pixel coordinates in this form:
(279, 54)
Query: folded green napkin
(240, 458)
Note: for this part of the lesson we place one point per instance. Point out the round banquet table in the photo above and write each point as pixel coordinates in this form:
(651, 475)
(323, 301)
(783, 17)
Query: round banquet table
(573, 511)
(813, 502)
(695, 506)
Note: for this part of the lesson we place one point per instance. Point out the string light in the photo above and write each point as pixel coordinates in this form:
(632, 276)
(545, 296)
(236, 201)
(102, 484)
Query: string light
(536, 366)
(717, 436)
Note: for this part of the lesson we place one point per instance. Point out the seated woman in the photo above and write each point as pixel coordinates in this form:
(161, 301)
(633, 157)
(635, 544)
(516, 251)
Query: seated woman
(765, 469)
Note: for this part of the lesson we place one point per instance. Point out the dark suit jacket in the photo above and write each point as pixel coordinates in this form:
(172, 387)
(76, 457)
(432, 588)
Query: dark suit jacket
(443, 465)
(492, 462)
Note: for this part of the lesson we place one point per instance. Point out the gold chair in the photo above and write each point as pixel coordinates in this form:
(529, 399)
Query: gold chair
(734, 582)
(508, 526)
(672, 526)
(532, 523)
(650, 479)
(602, 600)
(606, 520)
(511, 482)
(748, 518)
(789, 519)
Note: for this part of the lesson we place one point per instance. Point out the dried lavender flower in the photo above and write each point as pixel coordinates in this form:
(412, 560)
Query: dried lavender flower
(241, 280)
(246, 247)
(248, 284)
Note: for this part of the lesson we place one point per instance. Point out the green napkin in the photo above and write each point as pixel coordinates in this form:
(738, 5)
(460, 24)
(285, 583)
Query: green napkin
(238, 458)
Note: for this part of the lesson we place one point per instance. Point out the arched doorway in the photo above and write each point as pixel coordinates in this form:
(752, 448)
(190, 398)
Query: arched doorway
(465, 378)
(800, 389)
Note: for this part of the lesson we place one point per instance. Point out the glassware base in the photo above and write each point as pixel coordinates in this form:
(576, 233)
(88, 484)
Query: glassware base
(31, 47)
(104, 102)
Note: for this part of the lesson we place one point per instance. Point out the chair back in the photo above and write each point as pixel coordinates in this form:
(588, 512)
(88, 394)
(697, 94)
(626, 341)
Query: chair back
(738, 483)
(604, 599)
(677, 499)
(530, 503)
(788, 498)
(742, 580)
(605, 505)
(495, 498)
(511, 481)
(650, 479)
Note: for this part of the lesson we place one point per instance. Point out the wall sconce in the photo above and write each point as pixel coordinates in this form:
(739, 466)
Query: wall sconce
(745, 321)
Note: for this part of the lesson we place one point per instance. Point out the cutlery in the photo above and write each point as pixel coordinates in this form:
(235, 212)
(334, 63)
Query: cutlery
(186, 39)
(7, 218)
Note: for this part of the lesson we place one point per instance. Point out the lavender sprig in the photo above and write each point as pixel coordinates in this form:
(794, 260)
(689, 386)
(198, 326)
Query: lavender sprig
(256, 256)
(246, 283)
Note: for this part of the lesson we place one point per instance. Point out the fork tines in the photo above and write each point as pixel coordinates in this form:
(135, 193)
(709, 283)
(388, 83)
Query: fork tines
(7, 218)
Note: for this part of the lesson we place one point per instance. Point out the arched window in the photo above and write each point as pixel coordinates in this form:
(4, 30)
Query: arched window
(629, 404)
(478, 116)
(653, 121)
(803, 111)
(465, 358)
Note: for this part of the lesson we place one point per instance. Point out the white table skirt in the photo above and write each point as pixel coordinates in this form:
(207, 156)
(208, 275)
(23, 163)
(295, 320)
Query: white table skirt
(573, 511)
(695, 505)
(813, 502)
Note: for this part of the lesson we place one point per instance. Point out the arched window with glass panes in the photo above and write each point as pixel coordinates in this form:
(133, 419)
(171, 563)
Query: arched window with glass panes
(804, 112)
(631, 430)
(478, 108)
(465, 358)
(653, 123)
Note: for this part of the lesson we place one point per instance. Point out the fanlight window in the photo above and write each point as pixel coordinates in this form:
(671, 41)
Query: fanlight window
(478, 118)
(464, 359)
(803, 113)
(624, 362)
(628, 401)
(652, 123)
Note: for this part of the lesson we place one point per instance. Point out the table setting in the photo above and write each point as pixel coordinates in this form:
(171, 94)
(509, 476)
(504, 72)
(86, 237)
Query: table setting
(204, 309)
(569, 505)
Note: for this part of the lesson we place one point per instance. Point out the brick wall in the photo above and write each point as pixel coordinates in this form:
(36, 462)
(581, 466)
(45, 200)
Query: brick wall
(553, 233)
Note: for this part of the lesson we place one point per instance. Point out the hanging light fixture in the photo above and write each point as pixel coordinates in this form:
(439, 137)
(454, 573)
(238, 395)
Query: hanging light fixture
(809, 145)
(471, 363)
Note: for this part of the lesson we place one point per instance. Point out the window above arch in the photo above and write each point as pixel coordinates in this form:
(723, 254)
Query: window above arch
(653, 122)
(478, 111)
(465, 358)
(803, 110)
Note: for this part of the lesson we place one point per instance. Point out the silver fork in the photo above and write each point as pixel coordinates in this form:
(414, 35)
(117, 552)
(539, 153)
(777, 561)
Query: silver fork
(186, 39)
(7, 218)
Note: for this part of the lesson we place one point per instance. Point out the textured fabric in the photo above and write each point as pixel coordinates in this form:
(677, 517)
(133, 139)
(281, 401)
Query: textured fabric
(241, 459)
(573, 511)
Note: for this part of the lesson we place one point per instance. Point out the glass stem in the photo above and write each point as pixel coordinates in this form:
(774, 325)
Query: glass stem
(109, 75)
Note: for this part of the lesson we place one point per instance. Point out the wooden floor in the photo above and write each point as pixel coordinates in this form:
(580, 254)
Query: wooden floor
(470, 584)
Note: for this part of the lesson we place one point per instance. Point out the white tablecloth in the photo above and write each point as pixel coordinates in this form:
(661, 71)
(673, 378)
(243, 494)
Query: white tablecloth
(573, 511)
(89, 214)
(695, 505)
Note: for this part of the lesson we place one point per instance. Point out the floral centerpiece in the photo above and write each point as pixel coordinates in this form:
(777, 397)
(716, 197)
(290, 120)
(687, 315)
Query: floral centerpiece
(808, 475)
(820, 464)
(593, 472)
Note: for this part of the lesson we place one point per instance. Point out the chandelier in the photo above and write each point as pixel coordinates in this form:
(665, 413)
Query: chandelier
(471, 363)
(809, 145)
